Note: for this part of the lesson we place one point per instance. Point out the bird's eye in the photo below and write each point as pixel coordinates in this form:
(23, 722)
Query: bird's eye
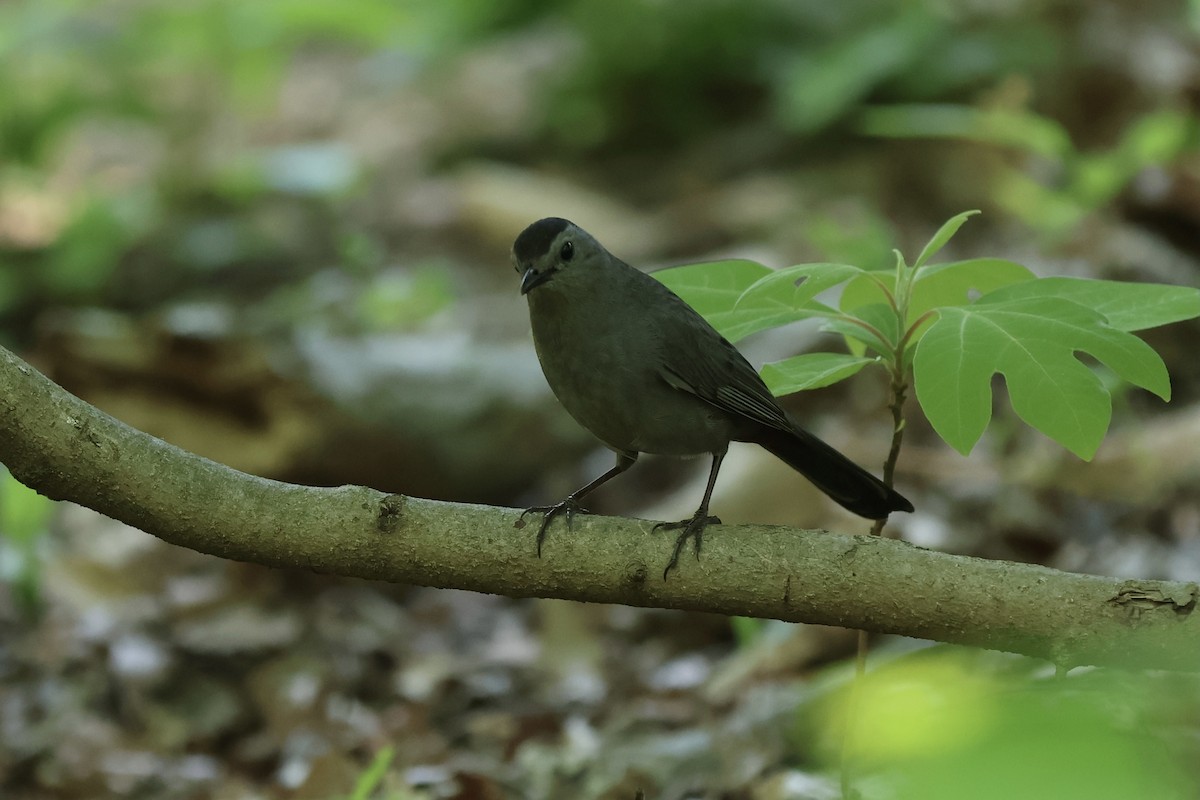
(566, 251)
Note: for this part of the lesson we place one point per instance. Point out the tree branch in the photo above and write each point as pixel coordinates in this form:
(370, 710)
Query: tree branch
(68, 450)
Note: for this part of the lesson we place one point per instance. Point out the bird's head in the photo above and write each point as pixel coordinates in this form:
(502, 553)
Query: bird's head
(551, 248)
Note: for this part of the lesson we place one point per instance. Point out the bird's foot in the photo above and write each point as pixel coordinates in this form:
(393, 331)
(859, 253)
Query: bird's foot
(693, 529)
(569, 507)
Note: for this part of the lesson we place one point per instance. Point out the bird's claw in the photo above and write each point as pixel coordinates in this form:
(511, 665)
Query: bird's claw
(693, 529)
(568, 507)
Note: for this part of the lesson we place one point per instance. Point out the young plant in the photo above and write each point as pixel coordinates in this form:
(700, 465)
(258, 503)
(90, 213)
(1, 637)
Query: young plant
(952, 326)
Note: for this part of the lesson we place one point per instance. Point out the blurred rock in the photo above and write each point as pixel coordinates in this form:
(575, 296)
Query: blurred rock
(1140, 465)
(239, 628)
(440, 414)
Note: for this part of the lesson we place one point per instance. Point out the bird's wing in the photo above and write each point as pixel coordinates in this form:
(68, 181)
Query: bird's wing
(703, 363)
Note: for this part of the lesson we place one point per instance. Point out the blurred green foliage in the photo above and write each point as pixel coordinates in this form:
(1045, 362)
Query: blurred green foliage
(61, 59)
(131, 170)
(654, 73)
(24, 517)
(108, 178)
(943, 724)
(369, 781)
(399, 299)
(1084, 180)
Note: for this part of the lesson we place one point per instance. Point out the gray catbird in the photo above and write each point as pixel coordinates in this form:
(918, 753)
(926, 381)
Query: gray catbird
(645, 373)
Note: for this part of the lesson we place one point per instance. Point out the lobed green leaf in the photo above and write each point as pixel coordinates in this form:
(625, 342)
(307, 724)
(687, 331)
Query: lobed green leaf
(1033, 343)
(1126, 306)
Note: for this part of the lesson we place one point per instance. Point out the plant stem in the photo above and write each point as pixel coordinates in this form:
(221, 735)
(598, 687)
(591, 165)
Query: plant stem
(899, 394)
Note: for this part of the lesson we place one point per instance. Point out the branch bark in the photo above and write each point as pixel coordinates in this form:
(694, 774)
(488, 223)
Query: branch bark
(68, 450)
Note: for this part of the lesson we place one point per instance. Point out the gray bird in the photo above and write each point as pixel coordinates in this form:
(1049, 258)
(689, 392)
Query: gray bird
(645, 373)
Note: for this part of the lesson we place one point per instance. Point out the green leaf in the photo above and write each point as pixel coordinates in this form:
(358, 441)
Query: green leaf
(794, 287)
(811, 371)
(24, 514)
(713, 289)
(1005, 127)
(859, 338)
(1126, 306)
(948, 229)
(868, 289)
(786, 295)
(959, 283)
(712, 286)
(882, 319)
(370, 778)
(1033, 343)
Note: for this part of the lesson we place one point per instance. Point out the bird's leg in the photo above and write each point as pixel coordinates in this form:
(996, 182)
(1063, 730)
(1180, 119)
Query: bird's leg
(694, 528)
(570, 506)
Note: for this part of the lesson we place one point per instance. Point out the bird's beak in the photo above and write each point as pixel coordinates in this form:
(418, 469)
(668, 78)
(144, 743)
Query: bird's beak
(532, 278)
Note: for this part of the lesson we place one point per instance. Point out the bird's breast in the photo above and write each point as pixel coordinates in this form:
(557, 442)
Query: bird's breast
(603, 364)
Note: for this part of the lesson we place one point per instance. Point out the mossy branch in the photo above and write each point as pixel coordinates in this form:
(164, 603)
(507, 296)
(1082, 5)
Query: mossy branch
(68, 450)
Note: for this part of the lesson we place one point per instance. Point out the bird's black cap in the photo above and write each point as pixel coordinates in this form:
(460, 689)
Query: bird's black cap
(535, 240)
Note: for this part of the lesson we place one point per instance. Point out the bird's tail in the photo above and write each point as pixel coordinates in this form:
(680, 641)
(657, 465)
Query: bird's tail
(851, 486)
